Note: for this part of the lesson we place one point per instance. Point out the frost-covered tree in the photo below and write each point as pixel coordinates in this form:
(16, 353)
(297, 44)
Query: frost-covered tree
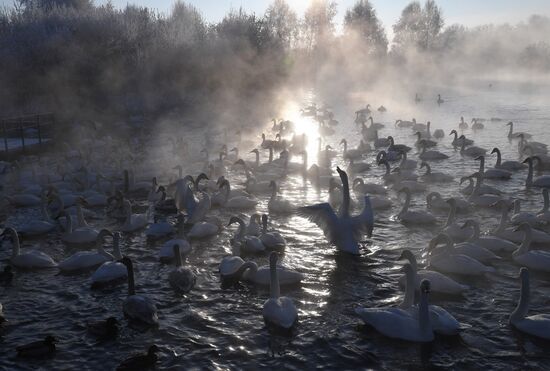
(362, 20)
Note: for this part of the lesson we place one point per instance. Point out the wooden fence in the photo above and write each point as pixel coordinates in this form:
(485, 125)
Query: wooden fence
(21, 133)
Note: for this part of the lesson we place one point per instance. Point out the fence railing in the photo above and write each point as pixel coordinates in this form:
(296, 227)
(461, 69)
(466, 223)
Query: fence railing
(20, 133)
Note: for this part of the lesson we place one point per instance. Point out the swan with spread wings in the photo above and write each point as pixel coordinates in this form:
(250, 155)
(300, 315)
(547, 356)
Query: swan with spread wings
(342, 229)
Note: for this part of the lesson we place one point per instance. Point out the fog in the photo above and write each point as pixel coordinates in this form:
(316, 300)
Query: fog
(113, 67)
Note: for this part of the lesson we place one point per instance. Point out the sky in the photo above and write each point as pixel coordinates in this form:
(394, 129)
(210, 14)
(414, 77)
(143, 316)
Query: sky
(467, 12)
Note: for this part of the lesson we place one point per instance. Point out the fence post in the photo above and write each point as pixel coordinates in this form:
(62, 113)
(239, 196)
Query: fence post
(38, 128)
(22, 133)
(5, 133)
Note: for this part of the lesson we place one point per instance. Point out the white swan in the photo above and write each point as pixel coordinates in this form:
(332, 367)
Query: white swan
(351, 154)
(208, 227)
(542, 181)
(363, 188)
(272, 240)
(471, 151)
(479, 199)
(434, 177)
(512, 234)
(519, 216)
(512, 135)
(159, 229)
(29, 259)
(181, 279)
(237, 202)
(134, 222)
(446, 260)
(440, 283)
(37, 227)
(451, 228)
(86, 260)
(492, 243)
(278, 310)
(537, 325)
(77, 236)
(243, 243)
(343, 230)
(431, 155)
(397, 323)
(492, 173)
(110, 272)
(276, 204)
(414, 217)
(442, 321)
(538, 260)
(507, 165)
(457, 142)
(166, 253)
(138, 307)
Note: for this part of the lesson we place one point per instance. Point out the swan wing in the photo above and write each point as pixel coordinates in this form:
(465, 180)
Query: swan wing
(323, 215)
(363, 223)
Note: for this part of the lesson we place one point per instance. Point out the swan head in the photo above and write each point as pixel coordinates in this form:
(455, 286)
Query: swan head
(423, 164)
(510, 123)
(528, 160)
(524, 274)
(440, 238)
(465, 178)
(50, 340)
(407, 255)
(479, 158)
(272, 185)
(255, 150)
(523, 227)
(341, 172)
(495, 150)
(127, 262)
(405, 190)
(453, 132)
(425, 286)
(357, 181)
(343, 141)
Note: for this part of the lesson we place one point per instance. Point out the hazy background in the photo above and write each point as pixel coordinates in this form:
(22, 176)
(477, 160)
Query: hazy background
(233, 61)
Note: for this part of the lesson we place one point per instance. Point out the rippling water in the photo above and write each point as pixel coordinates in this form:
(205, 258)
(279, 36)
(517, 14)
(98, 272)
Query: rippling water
(218, 329)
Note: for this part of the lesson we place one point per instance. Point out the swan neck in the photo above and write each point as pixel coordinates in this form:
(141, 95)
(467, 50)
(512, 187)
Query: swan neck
(80, 216)
(346, 195)
(424, 314)
(525, 243)
(274, 288)
(16, 245)
(408, 299)
(529, 180)
(503, 219)
(251, 266)
(406, 204)
(546, 201)
(116, 247)
(523, 305)
(451, 216)
(179, 260)
(131, 282)
(499, 158)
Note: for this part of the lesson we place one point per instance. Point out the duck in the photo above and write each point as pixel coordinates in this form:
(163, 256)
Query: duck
(278, 311)
(397, 323)
(104, 329)
(37, 349)
(492, 243)
(512, 135)
(457, 142)
(443, 322)
(181, 279)
(538, 260)
(140, 361)
(278, 205)
(138, 307)
(537, 325)
(542, 181)
(507, 165)
(110, 272)
(29, 259)
(86, 260)
(440, 283)
(342, 229)
(448, 261)
(492, 173)
(271, 240)
(434, 177)
(414, 217)
(471, 151)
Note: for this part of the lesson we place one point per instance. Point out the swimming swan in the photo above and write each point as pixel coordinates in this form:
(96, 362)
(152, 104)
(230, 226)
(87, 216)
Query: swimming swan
(278, 310)
(138, 307)
(29, 259)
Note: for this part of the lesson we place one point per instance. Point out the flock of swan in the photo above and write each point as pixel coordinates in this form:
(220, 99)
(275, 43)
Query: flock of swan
(85, 188)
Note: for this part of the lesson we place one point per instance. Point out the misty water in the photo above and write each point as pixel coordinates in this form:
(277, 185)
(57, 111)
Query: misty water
(215, 328)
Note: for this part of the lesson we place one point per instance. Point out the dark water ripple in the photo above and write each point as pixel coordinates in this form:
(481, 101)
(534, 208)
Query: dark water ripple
(212, 328)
